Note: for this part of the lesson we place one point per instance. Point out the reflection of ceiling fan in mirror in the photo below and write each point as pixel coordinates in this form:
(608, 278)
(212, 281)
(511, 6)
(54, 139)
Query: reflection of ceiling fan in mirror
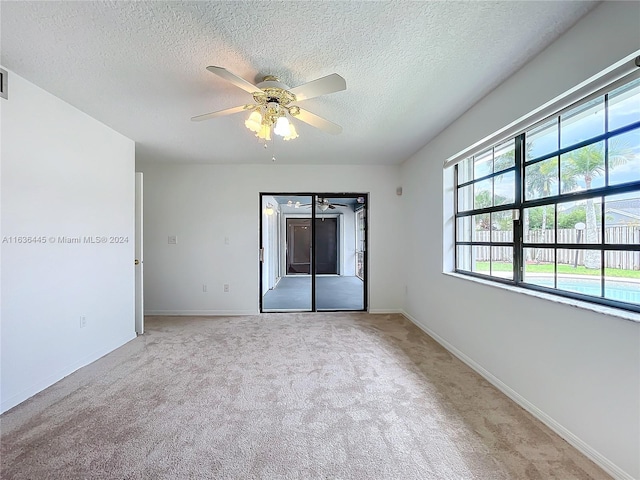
(274, 104)
(324, 204)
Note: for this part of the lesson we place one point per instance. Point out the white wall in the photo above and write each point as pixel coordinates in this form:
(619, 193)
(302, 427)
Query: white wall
(63, 174)
(577, 369)
(203, 204)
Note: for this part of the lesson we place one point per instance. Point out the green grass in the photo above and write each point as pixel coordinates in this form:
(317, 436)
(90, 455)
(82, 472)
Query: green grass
(568, 269)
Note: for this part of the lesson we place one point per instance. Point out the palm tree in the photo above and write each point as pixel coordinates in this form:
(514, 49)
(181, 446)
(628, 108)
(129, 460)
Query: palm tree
(540, 179)
(585, 164)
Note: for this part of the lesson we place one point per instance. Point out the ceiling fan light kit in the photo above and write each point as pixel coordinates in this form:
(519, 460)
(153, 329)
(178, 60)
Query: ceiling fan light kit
(273, 104)
(263, 118)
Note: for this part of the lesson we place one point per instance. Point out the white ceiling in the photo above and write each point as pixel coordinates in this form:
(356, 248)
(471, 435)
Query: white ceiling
(411, 68)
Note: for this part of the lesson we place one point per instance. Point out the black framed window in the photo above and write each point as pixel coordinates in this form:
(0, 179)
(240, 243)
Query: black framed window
(557, 207)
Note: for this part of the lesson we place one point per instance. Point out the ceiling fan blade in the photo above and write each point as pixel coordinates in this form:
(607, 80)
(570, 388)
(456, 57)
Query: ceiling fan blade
(233, 78)
(318, 122)
(220, 113)
(329, 84)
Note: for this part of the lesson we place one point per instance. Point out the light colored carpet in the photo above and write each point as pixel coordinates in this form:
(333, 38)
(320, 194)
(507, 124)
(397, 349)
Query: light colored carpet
(281, 396)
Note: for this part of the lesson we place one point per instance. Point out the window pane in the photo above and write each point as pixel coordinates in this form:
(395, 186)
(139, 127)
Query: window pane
(481, 257)
(483, 163)
(465, 198)
(504, 156)
(581, 123)
(502, 262)
(504, 188)
(482, 194)
(579, 271)
(542, 140)
(502, 226)
(463, 257)
(622, 276)
(539, 224)
(539, 266)
(463, 229)
(579, 222)
(465, 170)
(622, 219)
(583, 169)
(541, 179)
(624, 105)
(624, 158)
(578, 262)
(481, 230)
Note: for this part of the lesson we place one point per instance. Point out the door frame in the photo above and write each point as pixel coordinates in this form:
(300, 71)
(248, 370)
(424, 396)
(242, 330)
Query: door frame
(139, 254)
(290, 224)
(313, 217)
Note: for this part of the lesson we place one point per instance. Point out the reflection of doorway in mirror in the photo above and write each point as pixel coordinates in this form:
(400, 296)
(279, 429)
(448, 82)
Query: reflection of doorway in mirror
(298, 246)
(299, 236)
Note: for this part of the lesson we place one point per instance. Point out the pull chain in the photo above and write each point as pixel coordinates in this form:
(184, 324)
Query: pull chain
(273, 150)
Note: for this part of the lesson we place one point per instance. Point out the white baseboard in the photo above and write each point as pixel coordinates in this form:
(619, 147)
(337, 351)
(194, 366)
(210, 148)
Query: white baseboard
(200, 313)
(60, 374)
(233, 313)
(606, 464)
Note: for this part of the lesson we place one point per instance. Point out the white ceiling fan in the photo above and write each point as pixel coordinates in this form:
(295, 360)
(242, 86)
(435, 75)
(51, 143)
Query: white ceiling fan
(274, 102)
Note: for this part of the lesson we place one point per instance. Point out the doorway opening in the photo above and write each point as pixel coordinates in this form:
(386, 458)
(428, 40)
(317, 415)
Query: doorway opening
(313, 254)
(299, 241)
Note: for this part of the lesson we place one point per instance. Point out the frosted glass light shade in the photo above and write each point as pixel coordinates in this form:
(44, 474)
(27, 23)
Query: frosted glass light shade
(292, 133)
(264, 133)
(282, 127)
(254, 122)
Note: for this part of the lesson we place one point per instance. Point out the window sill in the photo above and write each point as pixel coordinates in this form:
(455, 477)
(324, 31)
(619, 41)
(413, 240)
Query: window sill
(603, 309)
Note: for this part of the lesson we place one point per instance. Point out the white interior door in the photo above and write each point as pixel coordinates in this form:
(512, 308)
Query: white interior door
(139, 257)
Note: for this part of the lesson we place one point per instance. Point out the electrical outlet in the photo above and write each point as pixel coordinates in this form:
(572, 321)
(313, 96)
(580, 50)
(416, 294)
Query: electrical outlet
(204, 287)
(83, 321)
(226, 288)
(172, 240)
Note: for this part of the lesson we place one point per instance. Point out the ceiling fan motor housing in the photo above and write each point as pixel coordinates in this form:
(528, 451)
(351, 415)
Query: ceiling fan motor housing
(272, 81)
(272, 90)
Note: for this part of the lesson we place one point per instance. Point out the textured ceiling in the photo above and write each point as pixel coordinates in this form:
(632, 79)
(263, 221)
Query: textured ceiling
(411, 68)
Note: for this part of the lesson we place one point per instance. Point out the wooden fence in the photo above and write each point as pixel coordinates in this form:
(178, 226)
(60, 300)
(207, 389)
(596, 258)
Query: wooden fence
(625, 235)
